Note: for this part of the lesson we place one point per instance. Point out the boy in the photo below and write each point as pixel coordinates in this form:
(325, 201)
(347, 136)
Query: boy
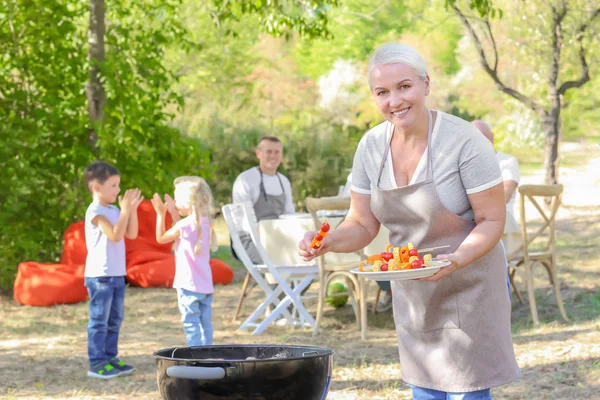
(105, 227)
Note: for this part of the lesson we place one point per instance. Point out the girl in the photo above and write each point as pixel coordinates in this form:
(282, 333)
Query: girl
(194, 239)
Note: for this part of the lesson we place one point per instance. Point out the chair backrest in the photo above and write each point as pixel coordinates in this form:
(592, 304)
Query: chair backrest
(240, 219)
(552, 194)
(334, 203)
(316, 205)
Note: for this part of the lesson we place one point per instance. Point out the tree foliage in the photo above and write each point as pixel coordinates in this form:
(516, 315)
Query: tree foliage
(280, 17)
(45, 122)
(45, 128)
(191, 86)
(557, 42)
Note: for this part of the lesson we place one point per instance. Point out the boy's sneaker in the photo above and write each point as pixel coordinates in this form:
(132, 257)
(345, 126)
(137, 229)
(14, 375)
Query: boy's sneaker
(103, 371)
(119, 365)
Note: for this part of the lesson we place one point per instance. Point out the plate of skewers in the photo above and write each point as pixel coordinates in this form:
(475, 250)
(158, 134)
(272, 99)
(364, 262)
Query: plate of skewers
(401, 263)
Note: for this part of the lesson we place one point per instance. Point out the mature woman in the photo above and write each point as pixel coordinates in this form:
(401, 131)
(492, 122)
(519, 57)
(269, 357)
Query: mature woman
(432, 179)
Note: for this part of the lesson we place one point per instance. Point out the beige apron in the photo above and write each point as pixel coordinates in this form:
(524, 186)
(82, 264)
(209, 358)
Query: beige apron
(267, 206)
(453, 335)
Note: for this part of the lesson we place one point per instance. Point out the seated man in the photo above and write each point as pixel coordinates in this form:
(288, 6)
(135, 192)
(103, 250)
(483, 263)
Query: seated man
(511, 176)
(268, 190)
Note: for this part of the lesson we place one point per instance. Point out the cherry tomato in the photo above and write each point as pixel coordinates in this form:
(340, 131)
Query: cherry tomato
(387, 256)
(318, 237)
(384, 267)
(421, 259)
(325, 227)
(416, 264)
(413, 252)
(317, 245)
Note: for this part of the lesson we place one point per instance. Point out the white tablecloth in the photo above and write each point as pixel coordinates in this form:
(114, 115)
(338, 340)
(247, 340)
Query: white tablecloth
(280, 238)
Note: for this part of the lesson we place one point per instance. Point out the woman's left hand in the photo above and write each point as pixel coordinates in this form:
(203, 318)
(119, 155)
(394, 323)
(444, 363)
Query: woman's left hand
(445, 271)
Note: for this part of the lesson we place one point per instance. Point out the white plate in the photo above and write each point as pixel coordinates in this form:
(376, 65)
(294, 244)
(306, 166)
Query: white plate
(295, 216)
(404, 274)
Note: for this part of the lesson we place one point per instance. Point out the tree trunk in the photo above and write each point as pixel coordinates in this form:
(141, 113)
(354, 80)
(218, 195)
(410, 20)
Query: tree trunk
(551, 131)
(94, 90)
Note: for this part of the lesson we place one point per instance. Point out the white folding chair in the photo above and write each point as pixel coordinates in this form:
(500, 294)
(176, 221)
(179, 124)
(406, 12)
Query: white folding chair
(240, 218)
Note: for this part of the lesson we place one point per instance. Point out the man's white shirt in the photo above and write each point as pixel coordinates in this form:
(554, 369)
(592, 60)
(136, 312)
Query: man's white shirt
(509, 166)
(247, 187)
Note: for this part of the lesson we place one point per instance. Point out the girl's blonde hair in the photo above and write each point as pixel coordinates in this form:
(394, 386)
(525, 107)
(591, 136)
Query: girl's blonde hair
(201, 200)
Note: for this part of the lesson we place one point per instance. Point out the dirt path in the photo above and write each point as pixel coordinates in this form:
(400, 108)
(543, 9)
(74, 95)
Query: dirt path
(581, 194)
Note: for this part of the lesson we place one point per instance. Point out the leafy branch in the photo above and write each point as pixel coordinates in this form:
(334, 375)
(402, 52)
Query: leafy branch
(492, 71)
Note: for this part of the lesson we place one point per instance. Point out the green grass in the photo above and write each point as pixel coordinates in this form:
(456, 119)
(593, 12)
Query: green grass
(224, 254)
(587, 139)
(529, 168)
(579, 157)
(531, 160)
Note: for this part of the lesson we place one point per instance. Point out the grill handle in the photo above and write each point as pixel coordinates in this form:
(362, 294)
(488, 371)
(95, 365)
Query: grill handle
(206, 373)
(310, 353)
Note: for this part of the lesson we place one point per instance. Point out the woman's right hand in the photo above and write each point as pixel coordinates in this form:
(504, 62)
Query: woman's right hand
(306, 252)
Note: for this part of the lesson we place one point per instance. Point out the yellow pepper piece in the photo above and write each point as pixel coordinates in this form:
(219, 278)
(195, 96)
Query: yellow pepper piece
(377, 265)
(410, 246)
(391, 264)
(413, 258)
(427, 259)
(397, 253)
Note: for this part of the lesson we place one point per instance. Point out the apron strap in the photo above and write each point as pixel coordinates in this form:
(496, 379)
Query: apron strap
(429, 173)
(262, 185)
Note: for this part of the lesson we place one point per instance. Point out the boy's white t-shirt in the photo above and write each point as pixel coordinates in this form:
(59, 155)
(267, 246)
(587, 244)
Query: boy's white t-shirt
(104, 257)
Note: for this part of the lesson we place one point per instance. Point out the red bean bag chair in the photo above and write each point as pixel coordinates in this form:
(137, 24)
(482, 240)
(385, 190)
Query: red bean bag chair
(161, 272)
(40, 284)
(156, 273)
(221, 272)
(146, 239)
(149, 264)
(74, 250)
(142, 257)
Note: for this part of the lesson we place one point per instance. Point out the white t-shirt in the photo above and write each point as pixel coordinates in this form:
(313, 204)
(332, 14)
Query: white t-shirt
(345, 190)
(463, 163)
(509, 166)
(104, 257)
(247, 187)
